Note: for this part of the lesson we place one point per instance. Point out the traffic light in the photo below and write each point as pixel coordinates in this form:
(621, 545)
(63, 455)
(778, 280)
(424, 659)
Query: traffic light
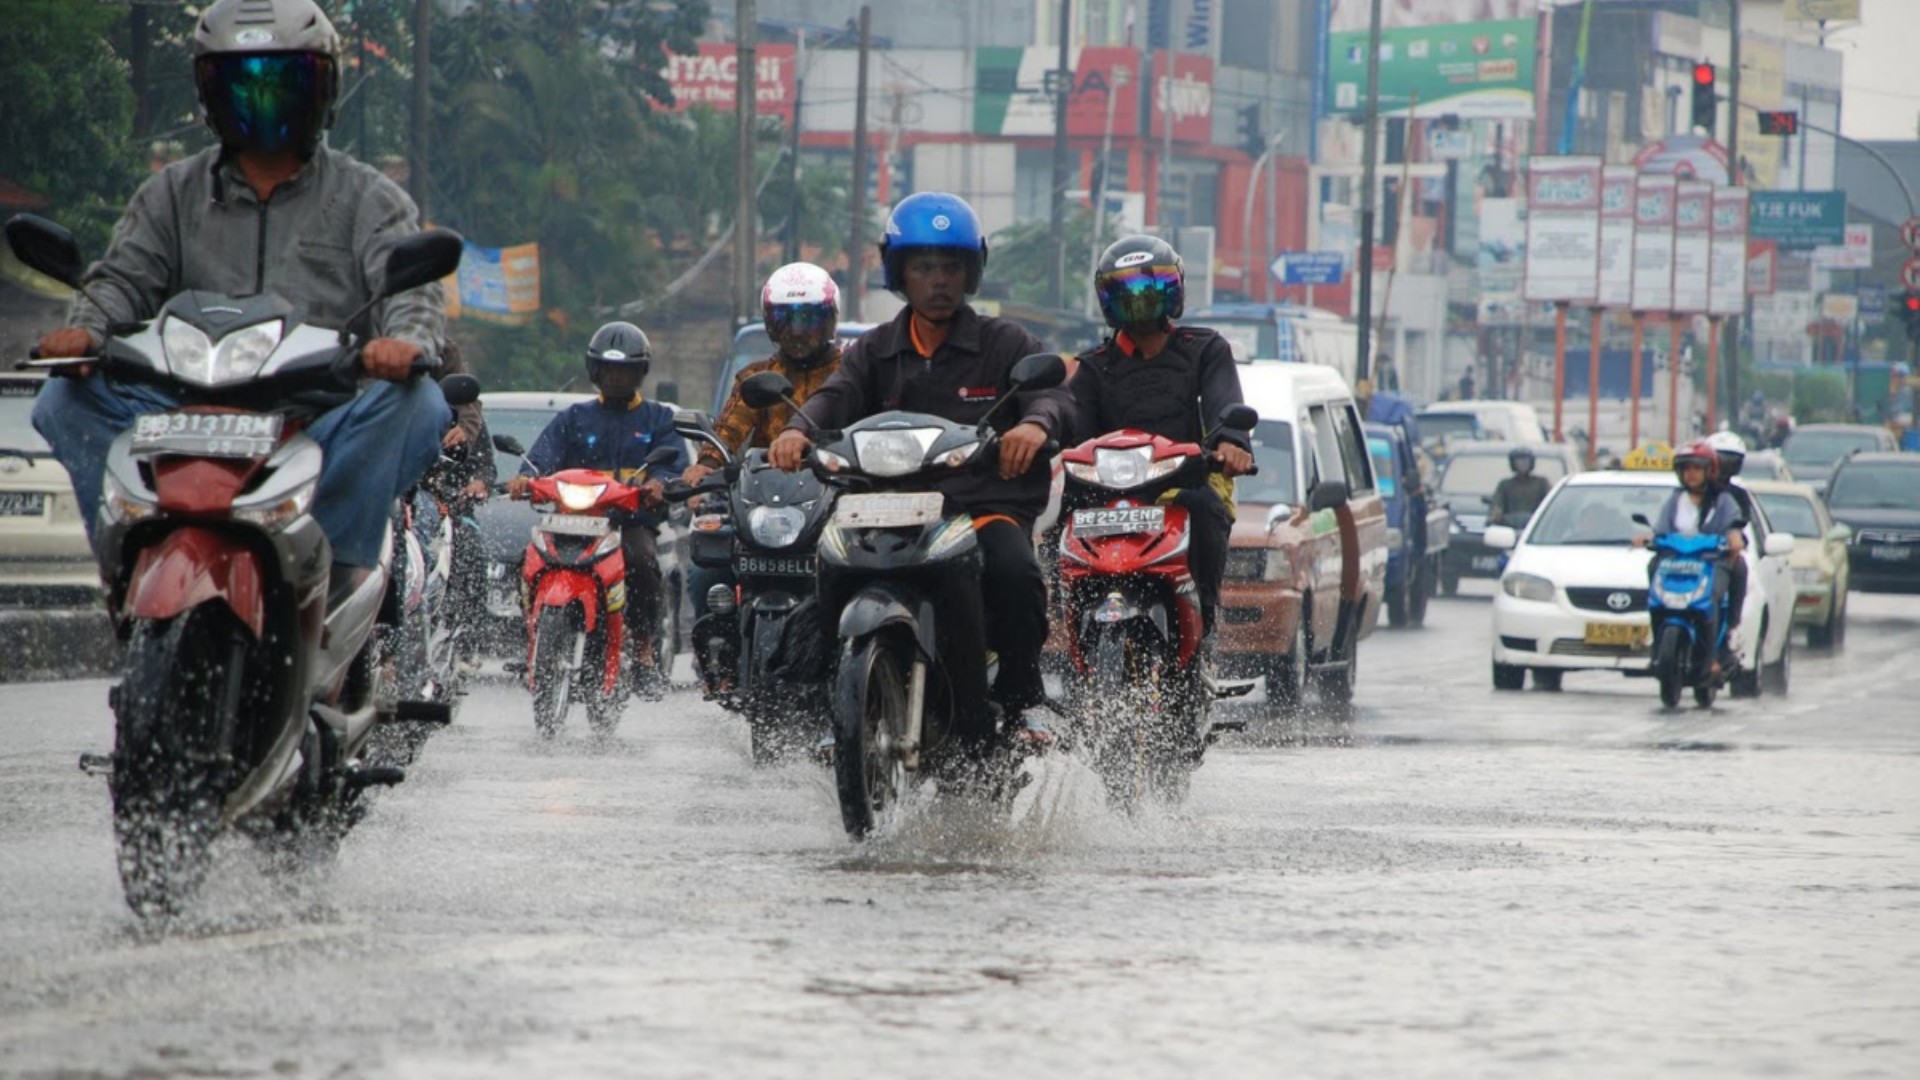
(1252, 139)
(1706, 104)
(1781, 122)
(1907, 307)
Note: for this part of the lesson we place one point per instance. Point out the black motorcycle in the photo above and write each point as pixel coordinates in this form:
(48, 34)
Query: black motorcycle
(763, 649)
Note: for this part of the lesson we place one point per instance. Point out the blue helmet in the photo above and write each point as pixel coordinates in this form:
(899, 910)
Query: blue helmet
(933, 219)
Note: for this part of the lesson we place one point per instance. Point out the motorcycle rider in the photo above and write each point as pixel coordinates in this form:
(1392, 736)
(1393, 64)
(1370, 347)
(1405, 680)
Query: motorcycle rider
(939, 356)
(269, 208)
(1516, 497)
(1730, 453)
(614, 434)
(1168, 380)
(1701, 507)
(800, 307)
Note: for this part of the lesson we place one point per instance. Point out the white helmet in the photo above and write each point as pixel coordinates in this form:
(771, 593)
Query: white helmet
(1727, 442)
(801, 308)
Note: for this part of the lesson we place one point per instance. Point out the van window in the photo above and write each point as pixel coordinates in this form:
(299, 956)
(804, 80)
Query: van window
(1273, 452)
(1352, 442)
(1382, 452)
(1326, 444)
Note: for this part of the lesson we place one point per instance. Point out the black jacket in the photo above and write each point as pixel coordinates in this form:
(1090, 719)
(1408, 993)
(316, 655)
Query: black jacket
(1178, 394)
(963, 378)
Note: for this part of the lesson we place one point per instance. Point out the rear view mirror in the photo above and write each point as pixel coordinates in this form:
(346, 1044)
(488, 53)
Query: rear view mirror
(460, 389)
(1239, 417)
(421, 259)
(1840, 532)
(1777, 545)
(1039, 371)
(690, 421)
(662, 455)
(46, 247)
(1328, 494)
(765, 390)
(1501, 537)
(507, 444)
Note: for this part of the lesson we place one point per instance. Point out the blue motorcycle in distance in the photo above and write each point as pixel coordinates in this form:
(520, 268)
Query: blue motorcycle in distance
(1686, 606)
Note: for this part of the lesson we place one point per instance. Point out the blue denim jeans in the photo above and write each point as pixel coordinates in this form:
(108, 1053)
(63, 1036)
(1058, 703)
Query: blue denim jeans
(376, 446)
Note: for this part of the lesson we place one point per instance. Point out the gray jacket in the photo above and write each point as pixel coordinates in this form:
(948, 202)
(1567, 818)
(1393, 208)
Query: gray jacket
(320, 242)
(1719, 515)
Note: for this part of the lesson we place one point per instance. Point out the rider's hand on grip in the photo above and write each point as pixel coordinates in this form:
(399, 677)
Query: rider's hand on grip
(390, 359)
(519, 487)
(1233, 460)
(68, 341)
(789, 450)
(1019, 447)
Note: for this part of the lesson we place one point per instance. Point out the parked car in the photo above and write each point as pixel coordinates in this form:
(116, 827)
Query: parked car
(1814, 450)
(1768, 465)
(1307, 568)
(1574, 593)
(1417, 525)
(1511, 421)
(1467, 480)
(1877, 495)
(45, 560)
(1820, 570)
(506, 526)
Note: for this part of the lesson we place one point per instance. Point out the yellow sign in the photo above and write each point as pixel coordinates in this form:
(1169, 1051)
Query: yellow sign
(1823, 10)
(1650, 457)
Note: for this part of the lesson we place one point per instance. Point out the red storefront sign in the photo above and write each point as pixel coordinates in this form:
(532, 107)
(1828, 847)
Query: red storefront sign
(709, 77)
(1102, 72)
(1187, 92)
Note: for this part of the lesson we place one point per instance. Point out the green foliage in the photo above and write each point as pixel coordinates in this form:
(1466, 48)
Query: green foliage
(66, 107)
(1819, 394)
(1021, 258)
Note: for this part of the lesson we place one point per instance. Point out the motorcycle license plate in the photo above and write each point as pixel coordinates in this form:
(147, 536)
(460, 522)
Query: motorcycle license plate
(1630, 635)
(206, 434)
(1115, 521)
(803, 565)
(1892, 552)
(503, 598)
(22, 503)
(573, 524)
(888, 511)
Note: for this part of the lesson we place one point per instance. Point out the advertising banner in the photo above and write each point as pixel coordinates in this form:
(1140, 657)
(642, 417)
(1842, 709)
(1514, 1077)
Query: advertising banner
(1503, 251)
(1799, 220)
(1183, 87)
(1012, 91)
(1616, 236)
(496, 284)
(1692, 246)
(1352, 16)
(1855, 254)
(1653, 197)
(709, 76)
(1563, 230)
(1763, 267)
(1728, 288)
(1476, 70)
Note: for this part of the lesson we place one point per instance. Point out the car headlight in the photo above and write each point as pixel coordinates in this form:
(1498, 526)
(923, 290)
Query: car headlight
(775, 526)
(1122, 469)
(1527, 587)
(277, 514)
(1810, 576)
(579, 496)
(894, 451)
(121, 506)
(193, 357)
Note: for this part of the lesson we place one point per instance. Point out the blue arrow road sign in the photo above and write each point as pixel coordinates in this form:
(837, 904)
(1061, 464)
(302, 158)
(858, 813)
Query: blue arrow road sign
(1309, 268)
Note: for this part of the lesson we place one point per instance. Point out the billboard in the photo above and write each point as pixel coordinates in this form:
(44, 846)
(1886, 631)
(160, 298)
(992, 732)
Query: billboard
(1692, 246)
(1799, 220)
(1183, 88)
(1472, 70)
(1503, 251)
(709, 77)
(496, 284)
(1350, 16)
(1563, 230)
(1653, 196)
(1616, 236)
(1728, 286)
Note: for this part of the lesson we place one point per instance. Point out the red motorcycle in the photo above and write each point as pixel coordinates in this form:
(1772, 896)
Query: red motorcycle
(573, 589)
(1142, 701)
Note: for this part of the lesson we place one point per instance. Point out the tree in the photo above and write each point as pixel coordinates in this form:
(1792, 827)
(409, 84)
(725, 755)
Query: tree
(1021, 258)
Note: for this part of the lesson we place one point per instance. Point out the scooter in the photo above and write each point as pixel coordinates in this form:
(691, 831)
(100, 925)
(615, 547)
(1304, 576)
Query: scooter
(1144, 702)
(573, 587)
(762, 648)
(1688, 610)
(246, 695)
(889, 550)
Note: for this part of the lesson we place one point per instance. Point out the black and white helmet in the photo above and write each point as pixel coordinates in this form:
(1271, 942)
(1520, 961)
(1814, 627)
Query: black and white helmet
(619, 343)
(267, 72)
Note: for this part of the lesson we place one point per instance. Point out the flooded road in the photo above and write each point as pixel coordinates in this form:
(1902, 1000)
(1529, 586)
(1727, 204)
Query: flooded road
(1457, 883)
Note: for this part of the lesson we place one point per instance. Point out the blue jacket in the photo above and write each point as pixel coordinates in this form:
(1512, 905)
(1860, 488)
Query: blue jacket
(591, 435)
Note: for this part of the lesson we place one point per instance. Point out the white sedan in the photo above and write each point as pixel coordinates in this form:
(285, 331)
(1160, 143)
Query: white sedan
(1573, 596)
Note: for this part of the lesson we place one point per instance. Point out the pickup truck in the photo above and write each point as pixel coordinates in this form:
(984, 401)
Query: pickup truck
(1417, 526)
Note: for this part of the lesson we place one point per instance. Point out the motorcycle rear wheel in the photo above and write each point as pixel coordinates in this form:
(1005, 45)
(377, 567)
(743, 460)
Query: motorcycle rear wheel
(870, 718)
(1669, 664)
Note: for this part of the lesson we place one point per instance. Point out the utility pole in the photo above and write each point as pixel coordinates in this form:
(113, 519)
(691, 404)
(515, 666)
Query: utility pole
(790, 252)
(422, 80)
(139, 37)
(746, 84)
(1738, 176)
(856, 241)
(1057, 228)
(1369, 147)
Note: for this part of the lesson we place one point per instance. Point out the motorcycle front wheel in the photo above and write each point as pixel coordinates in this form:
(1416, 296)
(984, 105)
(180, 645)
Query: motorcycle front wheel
(870, 721)
(557, 648)
(1670, 664)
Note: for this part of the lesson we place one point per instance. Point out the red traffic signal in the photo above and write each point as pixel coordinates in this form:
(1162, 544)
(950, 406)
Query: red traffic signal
(1911, 302)
(1782, 122)
(1705, 103)
(1703, 74)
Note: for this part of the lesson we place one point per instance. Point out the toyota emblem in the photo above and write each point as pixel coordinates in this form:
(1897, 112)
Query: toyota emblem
(1620, 601)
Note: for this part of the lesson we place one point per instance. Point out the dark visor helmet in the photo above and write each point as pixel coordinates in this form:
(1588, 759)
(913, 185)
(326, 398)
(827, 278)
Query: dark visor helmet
(619, 343)
(1140, 283)
(267, 73)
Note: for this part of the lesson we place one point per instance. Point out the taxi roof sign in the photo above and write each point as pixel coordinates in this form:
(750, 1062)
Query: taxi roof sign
(1650, 457)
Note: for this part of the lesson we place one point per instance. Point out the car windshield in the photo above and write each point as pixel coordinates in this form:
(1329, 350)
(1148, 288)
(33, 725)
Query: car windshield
(1761, 468)
(1477, 474)
(1383, 470)
(1821, 449)
(1596, 514)
(1273, 452)
(1791, 514)
(16, 425)
(1878, 486)
(1449, 426)
(524, 425)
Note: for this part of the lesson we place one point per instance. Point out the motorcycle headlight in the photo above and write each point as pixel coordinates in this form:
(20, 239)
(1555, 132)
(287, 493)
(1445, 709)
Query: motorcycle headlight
(1527, 587)
(1122, 469)
(279, 513)
(120, 505)
(894, 452)
(775, 526)
(1671, 595)
(579, 496)
(191, 356)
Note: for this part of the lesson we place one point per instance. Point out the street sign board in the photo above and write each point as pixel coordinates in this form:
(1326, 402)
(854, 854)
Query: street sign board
(1873, 301)
(1799, 220)
(1910, 233)
(1910, 273)
(1855, 254)
(1309, 268)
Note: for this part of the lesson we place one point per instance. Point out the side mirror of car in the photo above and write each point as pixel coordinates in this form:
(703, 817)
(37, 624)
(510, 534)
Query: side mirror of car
(47, 248)
(1840, 532)
(423, 258)
(460, 389)
(1039, 371)
(765, 390)
(1327, 494)
(1239, 417)
(1778, 544)
(507, 444)
(1501, 537)
(1277, 515)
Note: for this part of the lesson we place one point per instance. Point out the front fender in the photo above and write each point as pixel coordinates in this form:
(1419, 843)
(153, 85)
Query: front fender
(879, 606)
(190, 566)
(557, 590)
